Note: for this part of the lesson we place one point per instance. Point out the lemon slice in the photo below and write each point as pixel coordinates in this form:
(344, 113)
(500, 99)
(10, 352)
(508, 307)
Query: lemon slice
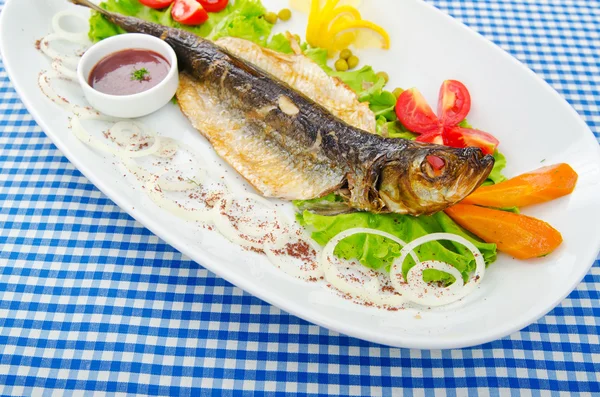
(338, 17)
(344, 11)
(371, 34)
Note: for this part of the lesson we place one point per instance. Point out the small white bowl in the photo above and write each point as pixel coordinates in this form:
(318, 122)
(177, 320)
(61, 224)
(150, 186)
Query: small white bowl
(135, 105)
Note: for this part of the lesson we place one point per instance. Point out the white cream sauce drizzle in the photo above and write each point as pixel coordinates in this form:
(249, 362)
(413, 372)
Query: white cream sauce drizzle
(246, 219)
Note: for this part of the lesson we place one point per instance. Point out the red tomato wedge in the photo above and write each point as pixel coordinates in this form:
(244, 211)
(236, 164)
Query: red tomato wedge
(415, 114)
(189, 12)
(157, 4)
(453, 107)
(454, 103)
(214, 5)
(463, 137)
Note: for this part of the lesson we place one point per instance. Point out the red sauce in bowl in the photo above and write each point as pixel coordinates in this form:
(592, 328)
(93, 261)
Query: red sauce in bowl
(129, 72)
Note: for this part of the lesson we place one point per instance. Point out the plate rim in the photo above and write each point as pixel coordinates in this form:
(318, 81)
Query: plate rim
(199, 256)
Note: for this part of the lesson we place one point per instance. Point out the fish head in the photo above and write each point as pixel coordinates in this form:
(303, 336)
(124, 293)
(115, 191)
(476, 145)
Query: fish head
(431, 178)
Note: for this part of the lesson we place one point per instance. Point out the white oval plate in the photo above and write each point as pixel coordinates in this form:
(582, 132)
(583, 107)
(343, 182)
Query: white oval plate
(531, 120)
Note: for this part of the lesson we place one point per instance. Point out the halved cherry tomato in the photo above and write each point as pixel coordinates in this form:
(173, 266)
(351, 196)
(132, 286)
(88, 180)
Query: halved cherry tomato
(214, 5)
(415, 114)
(454, 103)
(453, 106)
(189, 12)
(463, 137)
(157, 4)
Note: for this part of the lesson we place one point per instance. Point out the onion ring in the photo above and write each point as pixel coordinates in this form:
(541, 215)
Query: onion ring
(431, 295)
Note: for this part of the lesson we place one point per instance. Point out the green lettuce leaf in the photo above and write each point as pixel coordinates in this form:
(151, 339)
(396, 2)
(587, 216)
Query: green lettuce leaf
(382, 104)
(101, 28)
(361, 81)
(496, 174)
(393, 129)
(280, 43)
(378, 252)
(243, 19)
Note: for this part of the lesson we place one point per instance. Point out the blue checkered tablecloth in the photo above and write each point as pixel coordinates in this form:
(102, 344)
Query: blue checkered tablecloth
(91, 300)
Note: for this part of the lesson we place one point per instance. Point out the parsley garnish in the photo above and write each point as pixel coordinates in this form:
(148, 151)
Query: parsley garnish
(140, 74)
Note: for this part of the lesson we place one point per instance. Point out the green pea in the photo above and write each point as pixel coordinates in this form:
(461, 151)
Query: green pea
(285, 14)
(271, 17)
(341, 65)
(352, 62)
(345, 54)
(397, 92)
(384, 76)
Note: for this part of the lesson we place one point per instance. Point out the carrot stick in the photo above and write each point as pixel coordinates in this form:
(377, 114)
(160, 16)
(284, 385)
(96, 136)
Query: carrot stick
(521, 236)
(544, 184)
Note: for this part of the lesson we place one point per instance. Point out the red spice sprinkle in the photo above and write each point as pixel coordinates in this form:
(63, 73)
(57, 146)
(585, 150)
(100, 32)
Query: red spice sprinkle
(253, 249)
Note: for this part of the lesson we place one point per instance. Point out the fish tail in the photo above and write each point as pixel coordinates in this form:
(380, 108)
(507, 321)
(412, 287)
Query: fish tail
(89, 4)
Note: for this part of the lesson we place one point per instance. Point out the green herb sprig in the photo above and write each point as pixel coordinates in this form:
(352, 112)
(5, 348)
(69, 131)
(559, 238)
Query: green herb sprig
(140, 74)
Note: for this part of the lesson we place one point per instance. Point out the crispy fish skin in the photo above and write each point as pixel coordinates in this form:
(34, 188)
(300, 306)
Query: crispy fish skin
(377, 174)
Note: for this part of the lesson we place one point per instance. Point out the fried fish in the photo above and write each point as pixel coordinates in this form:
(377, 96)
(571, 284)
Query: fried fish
(295, 133)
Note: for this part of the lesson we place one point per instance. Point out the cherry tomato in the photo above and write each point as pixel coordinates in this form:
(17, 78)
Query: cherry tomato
(189, 12)
(158, 4)
(214, 5)
(464, 137)
(454, 103)
(414, 112)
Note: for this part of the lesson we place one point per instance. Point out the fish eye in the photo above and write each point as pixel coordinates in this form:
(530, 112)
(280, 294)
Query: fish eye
(434, 165)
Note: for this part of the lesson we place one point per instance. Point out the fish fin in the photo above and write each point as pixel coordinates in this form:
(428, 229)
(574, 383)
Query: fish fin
(326, 208)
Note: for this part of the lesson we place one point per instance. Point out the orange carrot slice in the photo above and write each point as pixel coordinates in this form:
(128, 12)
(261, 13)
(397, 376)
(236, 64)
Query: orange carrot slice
(544, 184)
(518, 235)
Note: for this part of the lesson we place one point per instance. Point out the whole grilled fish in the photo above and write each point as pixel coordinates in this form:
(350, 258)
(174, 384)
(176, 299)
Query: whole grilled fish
(287, 145)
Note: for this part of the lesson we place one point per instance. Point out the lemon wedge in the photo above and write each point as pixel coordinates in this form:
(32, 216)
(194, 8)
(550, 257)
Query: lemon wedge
(337, 24)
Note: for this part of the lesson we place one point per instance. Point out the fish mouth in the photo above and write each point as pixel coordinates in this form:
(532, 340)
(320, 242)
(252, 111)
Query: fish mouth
(481, 164)
(477, 158)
